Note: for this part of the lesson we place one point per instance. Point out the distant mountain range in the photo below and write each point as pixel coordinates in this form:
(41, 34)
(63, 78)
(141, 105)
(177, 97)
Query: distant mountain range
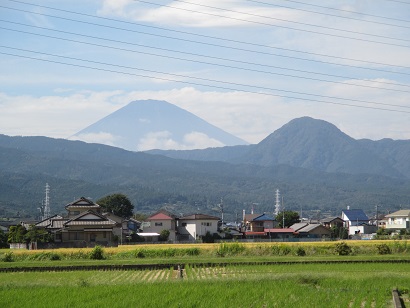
(316, 145)
(151, 124)
(314, 165)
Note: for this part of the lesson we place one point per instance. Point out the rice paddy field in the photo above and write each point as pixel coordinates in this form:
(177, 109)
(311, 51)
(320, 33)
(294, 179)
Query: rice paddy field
(212, 275)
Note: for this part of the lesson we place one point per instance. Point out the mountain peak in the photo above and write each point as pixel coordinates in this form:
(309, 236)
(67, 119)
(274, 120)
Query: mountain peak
(152, 124)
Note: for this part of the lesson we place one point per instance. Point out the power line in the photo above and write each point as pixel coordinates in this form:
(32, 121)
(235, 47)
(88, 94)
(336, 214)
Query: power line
(205, 36)
(346, 11)
(279, 26)
(207, 63)
(326, 14)
(198, 78)
(286, 20)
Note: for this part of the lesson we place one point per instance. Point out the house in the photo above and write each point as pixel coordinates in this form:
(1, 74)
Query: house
(85, 226)
(331, 222)
(193, 227)
(88, 228)
(258, 222)
(161, 220)
(357, 222)
(277, 233)
(399, 220)
(305, 230)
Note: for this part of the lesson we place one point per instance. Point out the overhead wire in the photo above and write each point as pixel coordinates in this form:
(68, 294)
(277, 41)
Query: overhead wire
(203, 62)
(206, 85)
(345, 11)
(325, 14)
(205, 79)
(280, 19)
(207, 36)
(280, 26)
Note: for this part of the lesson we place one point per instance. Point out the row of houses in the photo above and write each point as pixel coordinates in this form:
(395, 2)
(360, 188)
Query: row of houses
(86, 225)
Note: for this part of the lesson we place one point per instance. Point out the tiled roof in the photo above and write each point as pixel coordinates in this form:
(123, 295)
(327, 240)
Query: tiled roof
(311, 227)
(401, 213)
(160, 216)
(356, 215)
(250, 217)
(280, 230)
(82, 202)
(264, 217)
(330, 219)
(90, 223)
(199, 217)
(298, 226)
(80, 220)
(46, 222)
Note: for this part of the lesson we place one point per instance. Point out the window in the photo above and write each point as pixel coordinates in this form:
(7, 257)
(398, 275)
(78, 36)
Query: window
(158, 224)
(208, 224)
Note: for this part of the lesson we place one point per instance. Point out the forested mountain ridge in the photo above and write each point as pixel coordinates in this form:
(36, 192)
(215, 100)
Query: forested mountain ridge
(316, 145)
(74, 169)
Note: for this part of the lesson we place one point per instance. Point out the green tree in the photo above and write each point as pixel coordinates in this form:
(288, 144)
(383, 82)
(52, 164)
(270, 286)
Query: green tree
(35, 234)
(163, 236)
(3, 239)
(339, 232)
(16, 234)
(118, 204)
(291, 217)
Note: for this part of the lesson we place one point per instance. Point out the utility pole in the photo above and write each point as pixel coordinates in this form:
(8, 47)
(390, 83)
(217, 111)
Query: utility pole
(283, 210)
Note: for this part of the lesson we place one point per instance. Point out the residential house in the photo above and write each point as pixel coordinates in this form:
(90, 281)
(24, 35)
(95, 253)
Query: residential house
(357, 222)
(258, 222)
(399, 220)
(193, 227)
(85, 226)
(162, 220)
(277, 233)
(331, 222)
(306, 230)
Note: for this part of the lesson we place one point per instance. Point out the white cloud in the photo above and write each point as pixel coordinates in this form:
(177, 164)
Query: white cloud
(163, 140)
(200, 14)
(101, 137)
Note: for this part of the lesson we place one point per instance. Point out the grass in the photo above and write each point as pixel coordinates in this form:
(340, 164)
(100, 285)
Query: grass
(280, 285)
(291, 285)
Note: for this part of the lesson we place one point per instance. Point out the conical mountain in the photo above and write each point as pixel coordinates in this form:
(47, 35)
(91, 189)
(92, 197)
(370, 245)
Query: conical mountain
(319, 145)
(151, 124)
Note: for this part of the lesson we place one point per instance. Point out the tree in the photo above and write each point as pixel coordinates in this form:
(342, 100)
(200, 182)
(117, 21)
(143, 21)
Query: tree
(163, 236)
(339, 232)
(291, 217)
(118, 204)
(16, 234)
(3, 239)
(35, 234)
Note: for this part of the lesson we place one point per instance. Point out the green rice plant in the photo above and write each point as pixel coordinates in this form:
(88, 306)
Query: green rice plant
(400, 247)
(8, 257)
(230, 249)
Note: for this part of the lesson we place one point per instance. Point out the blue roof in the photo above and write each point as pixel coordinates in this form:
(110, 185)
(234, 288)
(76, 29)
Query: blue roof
(356, 215)
(263, 217)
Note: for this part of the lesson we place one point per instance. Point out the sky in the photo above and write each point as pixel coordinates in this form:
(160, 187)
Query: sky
(245, 66)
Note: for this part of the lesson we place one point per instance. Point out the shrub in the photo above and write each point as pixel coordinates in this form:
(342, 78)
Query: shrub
(342, 249)
(140, 254)
(383, 249)
(8, 257)
(300, 251)
(97, 253)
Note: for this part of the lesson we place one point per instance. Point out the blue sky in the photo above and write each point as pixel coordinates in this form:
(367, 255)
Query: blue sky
(247, 67)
